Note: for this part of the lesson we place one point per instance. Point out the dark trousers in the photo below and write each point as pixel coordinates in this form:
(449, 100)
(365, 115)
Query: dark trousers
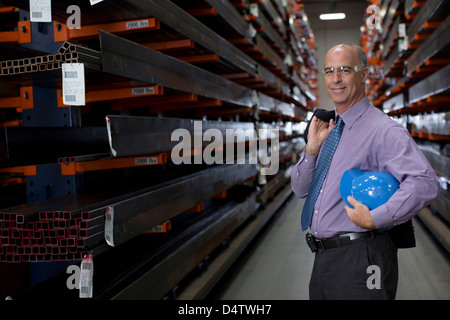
(365, 269)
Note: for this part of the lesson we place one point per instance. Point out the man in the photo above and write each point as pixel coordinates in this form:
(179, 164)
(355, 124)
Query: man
(348, 243)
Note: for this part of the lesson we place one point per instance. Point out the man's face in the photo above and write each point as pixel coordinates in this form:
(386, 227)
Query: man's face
(346, 88)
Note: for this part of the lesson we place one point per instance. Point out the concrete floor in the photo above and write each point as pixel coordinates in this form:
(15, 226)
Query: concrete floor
(278, 265)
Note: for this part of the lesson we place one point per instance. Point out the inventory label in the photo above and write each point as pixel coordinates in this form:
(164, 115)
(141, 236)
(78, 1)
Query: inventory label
(73, 84)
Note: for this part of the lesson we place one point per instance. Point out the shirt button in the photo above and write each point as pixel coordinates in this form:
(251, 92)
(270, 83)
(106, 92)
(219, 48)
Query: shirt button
(306, 160)
(321, 190)
(315, 232)
(316, 211)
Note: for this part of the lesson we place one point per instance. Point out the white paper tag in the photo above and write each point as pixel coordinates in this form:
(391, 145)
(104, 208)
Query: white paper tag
(109, 225)
(86, 276)
(401, 30)
(73, 84)
(254, 9)
(40, 11)
(95, 2)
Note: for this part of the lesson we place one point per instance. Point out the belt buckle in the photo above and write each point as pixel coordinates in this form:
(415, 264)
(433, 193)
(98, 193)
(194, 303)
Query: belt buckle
(319, 244)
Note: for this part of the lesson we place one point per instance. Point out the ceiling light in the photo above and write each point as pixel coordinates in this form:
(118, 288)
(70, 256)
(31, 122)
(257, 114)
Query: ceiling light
(332, 16)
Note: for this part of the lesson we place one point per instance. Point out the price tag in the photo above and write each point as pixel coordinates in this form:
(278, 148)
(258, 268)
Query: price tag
(73, 84)
(109, 225)
(40, 11)
(95, 2)
(86, 276)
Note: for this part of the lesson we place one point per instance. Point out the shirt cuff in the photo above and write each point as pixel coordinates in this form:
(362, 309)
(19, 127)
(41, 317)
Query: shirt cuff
(381, 217)
(308, 160)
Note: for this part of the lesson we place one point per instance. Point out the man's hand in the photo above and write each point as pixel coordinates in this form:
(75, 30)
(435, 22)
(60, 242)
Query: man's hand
(360, 215)
(317, 134)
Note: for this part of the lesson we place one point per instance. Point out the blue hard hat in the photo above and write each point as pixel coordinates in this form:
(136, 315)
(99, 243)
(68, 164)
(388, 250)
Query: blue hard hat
(371, 188)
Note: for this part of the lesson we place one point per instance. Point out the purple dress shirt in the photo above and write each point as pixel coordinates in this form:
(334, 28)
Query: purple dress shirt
(370, 141)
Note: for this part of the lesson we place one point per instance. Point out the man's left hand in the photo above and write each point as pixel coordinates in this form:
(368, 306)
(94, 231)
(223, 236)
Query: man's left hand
(360, 215)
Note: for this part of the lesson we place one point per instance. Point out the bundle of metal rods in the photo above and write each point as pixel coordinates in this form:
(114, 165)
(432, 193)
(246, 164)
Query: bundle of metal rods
(67, 53)
(48, 236)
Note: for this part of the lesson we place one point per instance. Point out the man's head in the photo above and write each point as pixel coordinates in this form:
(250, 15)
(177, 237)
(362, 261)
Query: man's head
(345, 75)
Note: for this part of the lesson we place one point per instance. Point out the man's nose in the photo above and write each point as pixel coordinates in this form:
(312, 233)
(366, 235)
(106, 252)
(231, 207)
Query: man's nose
(336, 77)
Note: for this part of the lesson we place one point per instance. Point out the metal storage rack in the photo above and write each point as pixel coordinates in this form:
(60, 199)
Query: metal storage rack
(99, 178)
(409, 81)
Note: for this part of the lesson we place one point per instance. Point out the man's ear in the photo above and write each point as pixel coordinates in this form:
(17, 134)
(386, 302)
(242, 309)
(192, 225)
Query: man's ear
(365, 73)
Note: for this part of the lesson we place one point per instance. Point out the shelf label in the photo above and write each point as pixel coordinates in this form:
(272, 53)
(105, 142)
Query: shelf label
(146, 161)
(86, 276)
(142, 91)
(137, 24)
(40, 11)
(73, 84)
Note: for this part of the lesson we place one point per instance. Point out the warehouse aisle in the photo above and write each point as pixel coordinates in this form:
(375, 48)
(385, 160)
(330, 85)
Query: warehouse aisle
(279, 265)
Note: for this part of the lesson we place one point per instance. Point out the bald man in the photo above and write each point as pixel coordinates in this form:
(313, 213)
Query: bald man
(355, 257)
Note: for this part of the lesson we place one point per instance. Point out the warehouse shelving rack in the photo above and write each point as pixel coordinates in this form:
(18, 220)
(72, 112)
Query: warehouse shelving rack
(151, 67)
(412, 85)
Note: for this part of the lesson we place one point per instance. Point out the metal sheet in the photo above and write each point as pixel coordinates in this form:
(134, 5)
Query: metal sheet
(128, 59)
(198, 243)
(436, 83)
(229, 13)
(433, 9)
(145, 135)
(172, 15)
(34, 145)
(437, 42)
(134, 215)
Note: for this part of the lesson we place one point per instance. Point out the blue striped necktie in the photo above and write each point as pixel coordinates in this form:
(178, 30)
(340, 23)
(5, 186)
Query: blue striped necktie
(326, 155)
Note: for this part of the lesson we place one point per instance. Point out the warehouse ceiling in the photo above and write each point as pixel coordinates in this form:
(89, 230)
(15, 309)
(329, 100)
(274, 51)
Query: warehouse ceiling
(353, 9)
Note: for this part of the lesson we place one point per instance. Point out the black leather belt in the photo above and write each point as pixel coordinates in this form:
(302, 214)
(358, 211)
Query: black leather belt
(316, 244)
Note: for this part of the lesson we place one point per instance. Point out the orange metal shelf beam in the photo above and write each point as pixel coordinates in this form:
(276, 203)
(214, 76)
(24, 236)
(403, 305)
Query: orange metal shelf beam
(9, 9)
(170, 45)
(201, 58)
(117, 94)
(25, 170)
(153, 101)
(162, 228)
(62, 33)
(202, 12)
(112, 163)
(23, 101)
(22, 35)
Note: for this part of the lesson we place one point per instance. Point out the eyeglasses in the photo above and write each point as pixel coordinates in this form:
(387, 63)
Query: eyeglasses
(341, 70)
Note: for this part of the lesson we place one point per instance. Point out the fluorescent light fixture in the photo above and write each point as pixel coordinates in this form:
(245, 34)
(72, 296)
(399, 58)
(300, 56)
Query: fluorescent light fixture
(332, 16)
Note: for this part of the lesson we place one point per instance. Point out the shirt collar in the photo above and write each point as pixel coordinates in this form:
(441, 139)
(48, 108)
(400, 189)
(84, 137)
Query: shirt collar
(351, 115)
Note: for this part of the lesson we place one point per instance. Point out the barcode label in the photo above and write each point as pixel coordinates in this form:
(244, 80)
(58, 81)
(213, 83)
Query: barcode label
(137, 24)
(70, 74)
(86, 276)
(84, 290)
(71, 98)
(40, 11)
(87, 266)
(73, 84)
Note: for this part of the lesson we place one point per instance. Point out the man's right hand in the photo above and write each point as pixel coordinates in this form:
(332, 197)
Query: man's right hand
(317, 134)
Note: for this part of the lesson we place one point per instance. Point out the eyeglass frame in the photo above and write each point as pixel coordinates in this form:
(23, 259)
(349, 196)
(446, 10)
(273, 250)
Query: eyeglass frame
(339, 70)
